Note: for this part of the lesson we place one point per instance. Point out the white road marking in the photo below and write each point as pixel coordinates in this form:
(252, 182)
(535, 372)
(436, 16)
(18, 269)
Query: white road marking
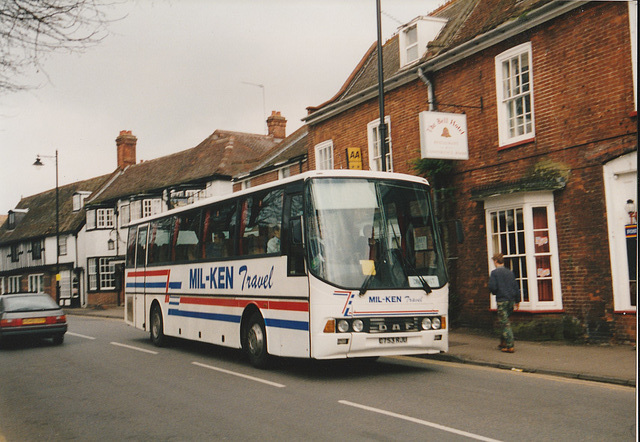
(252, 378)
(144, 350)
(419, 421)
(80, 336)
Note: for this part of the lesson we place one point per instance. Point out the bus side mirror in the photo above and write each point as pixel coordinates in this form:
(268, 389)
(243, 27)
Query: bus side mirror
(295, 227)
(459, 231)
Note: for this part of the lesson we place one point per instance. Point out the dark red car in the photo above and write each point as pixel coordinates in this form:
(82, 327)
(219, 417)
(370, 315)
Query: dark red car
(31, 315)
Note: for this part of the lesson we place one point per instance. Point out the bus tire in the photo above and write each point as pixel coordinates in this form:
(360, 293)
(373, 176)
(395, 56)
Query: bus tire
(255, 344)
(156, 332)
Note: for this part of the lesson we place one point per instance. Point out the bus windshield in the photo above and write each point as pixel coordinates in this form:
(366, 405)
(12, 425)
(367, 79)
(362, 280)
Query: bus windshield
(372, 234)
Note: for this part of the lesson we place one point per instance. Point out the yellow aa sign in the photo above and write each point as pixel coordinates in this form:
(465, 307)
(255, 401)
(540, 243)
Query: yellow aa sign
(354, 158)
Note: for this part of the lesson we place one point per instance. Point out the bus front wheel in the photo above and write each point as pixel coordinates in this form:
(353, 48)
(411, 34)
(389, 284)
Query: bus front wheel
(157, 327)
(256, 341)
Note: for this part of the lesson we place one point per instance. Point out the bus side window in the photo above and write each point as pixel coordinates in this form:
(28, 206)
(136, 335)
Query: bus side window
(186, 232)
(159, 241)
(131, 247)
(141, 250)
(295, 247)
(217, 240)
(260, 223)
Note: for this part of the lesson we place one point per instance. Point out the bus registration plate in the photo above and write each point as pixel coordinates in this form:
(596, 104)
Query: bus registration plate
(400, 340)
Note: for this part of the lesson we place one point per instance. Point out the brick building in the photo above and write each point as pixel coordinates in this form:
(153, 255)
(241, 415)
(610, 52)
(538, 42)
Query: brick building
(542, 93)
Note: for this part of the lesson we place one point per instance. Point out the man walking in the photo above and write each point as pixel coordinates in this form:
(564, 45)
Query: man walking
(503, 284)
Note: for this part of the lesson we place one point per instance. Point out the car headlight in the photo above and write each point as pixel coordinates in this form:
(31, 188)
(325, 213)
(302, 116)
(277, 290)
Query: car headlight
(343, 326)
(358, 325)
(435, 323)
(426, 324)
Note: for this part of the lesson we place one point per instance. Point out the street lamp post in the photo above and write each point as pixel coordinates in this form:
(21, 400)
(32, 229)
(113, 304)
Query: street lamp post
(39, 163)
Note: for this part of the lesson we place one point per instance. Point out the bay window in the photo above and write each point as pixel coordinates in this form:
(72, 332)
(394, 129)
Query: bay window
(522, 228)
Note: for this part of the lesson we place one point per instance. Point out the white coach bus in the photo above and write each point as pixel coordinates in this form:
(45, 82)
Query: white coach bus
(323, 265)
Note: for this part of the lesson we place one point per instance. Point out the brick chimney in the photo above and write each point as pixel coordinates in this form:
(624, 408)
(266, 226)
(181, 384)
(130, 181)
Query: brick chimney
(277, 125)
(126, 145)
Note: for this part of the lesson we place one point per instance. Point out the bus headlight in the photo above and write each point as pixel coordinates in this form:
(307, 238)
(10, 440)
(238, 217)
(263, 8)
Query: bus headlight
(436, 323)
(358, 325)
(426, 324)
(343, 326)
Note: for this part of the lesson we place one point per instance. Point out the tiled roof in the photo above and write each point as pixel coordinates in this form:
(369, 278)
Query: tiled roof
(467, 19)
(40, 219)
(292, 147)
(223, 154)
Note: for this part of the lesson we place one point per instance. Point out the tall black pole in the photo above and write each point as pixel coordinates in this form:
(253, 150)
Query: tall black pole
(382, 128)
(57, 234)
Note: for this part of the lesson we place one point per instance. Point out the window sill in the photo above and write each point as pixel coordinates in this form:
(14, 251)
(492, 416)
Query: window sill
(516, 144)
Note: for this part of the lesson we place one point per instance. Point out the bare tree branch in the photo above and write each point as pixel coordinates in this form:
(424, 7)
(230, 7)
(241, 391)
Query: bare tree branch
(31, 29)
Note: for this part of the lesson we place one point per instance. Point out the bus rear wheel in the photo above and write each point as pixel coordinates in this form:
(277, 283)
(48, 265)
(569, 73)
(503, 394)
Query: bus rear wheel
(157, 327)
(255, 344)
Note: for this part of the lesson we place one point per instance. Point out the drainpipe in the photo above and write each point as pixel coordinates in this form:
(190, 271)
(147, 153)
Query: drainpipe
(431, 100)
(426, 81)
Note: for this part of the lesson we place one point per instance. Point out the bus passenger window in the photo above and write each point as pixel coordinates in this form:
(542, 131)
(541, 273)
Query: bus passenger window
(260, 222)
(185, 239)
(159, 241)
(217, 231)
(131, 248)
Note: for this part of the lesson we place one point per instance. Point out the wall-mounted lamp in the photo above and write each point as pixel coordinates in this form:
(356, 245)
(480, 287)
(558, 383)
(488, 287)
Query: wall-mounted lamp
(111, 244)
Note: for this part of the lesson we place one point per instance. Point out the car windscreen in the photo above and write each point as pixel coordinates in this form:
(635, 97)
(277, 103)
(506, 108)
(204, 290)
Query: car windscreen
(29, 303)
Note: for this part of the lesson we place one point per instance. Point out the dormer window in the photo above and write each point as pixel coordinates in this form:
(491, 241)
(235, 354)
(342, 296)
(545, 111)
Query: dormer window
(415, 35)
(78, 200)
(411, 41)
(12, 220)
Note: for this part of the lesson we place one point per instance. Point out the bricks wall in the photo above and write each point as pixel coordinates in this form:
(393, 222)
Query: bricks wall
(584, 117)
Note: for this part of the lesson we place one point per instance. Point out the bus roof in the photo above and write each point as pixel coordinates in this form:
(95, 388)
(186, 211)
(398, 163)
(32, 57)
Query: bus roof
(329, 173)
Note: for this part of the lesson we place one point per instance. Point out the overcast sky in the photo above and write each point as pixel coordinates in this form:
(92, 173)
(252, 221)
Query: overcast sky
(173, 72)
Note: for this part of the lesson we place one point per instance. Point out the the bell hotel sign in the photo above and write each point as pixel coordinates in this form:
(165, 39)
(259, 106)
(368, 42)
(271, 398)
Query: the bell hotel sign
(443, 136)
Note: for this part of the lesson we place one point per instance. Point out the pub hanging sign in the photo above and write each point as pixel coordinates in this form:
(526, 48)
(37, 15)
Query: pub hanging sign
(443, 136)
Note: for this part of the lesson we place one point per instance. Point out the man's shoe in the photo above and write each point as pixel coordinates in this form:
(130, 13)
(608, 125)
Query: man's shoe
(508, 350)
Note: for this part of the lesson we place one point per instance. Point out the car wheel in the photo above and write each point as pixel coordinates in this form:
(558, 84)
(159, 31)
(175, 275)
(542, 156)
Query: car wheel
(255, 344)
(157, 327)
(58, 339)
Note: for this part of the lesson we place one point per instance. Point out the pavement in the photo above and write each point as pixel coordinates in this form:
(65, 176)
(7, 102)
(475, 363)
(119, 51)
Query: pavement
(608, 363)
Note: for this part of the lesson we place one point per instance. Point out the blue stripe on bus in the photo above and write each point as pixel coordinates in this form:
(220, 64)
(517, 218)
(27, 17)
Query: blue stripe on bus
(285, 323)
(279, 323)
(154, 285)
(201, 315)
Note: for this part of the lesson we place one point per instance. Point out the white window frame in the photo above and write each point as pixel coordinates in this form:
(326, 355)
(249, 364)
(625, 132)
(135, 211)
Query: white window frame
(373, 137)
(13, 284)
(617, 175)
(124, 216)
(505, 135)
(324, 155)
(410, 44)
(91, 219)
(101, 273)
(527, 201)
(36, 283)
(104, 218)
(285, 172)
(1, 285)
(62, 245)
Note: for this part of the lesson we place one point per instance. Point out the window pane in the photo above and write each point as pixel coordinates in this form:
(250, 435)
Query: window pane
(260, 223)
(185, 239)
(159, 244)
(218, 230)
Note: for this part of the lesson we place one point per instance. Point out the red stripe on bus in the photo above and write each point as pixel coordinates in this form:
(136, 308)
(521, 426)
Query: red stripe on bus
(271, 305)
(149, 273)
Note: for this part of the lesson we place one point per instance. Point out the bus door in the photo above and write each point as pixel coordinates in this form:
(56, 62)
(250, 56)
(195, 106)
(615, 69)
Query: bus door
(292, 232)
(139, 280)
